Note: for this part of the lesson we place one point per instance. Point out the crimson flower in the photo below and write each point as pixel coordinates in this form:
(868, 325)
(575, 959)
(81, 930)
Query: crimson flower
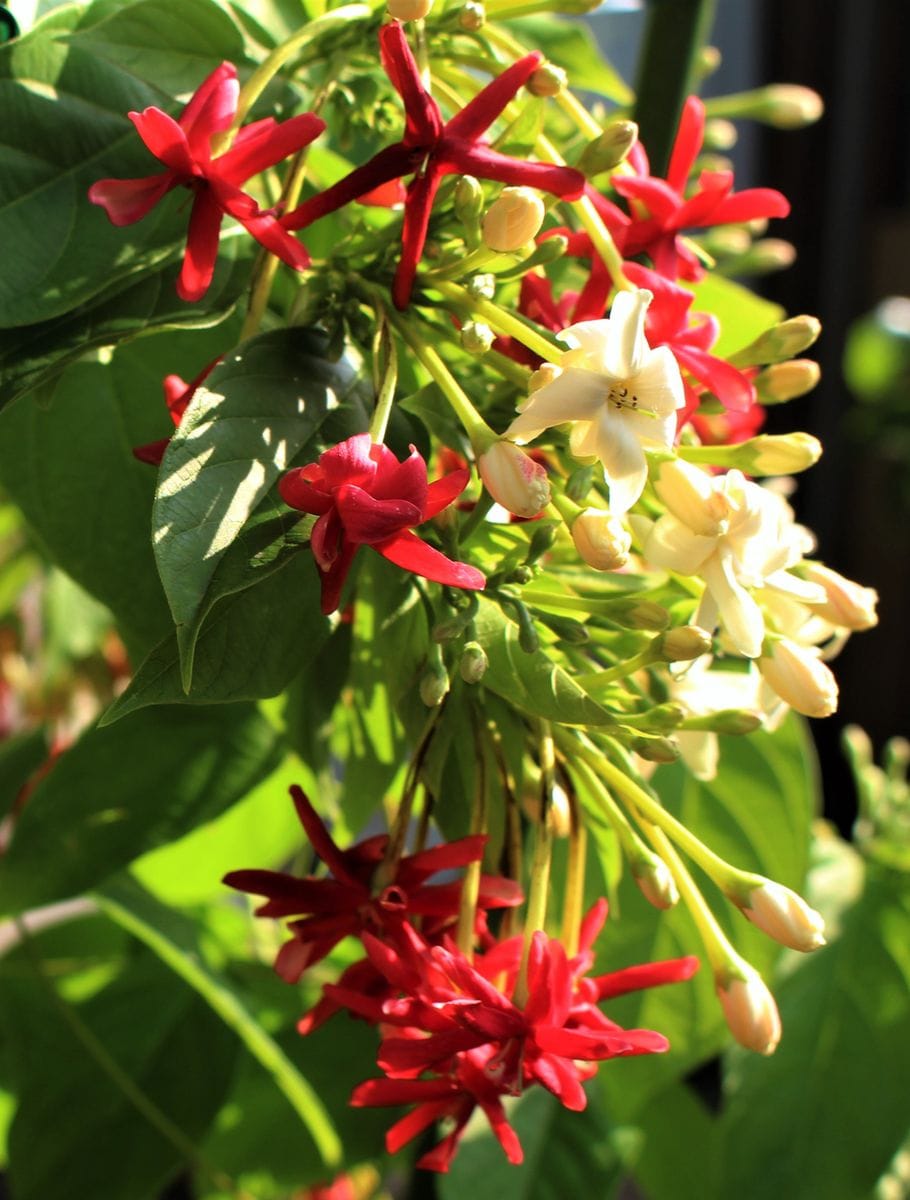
(350, 901)
(177, 396)
(185, 147)
(364, 496)
(431, 149)
(661, 211)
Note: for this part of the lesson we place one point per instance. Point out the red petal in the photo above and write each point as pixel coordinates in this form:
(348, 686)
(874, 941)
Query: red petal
(299, 493)
(390, 163)
(166, 140)
(408, 551)
(211, 109)
(478, 114)
(752, 203)
(268, 232)
(645, 975)
(129, 200)
(592, 923)
(402, 481)
(418, 205)
(470, 158)
(560, 1078)
(388, 195)
(320, 838)
(658, 197)
(152, 452)
(201, 247)
(503, 1131)
(731, 387)
(400, 1055)
(424, 122)
(441, 492)
(688, 142)
(377, 1092)
(265, 144)
(367, 520)
(703, 206)
(351, 461)
(450, 855)
(333, 579)
(415, 1122)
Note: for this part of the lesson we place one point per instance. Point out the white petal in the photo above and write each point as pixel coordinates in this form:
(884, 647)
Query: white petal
(575, 396)
(700, 752)
(657, 383)
(626, 345)
(741, 616)
(587, 341)
(800, 589)
(625, 466)
(675, 547)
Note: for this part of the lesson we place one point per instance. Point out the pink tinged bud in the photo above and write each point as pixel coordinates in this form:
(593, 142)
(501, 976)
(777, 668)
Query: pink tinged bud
(656, 883)
(513, 219)
(784, 916)
(750, 1010)
(798, 675)
(514, 479)
(601, 539)
(847, 604)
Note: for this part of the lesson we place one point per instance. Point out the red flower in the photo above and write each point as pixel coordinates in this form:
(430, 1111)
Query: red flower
(177, 396)
(365, 497)
(431, 149)
(661, 211)
(350, 902)
(184, 146)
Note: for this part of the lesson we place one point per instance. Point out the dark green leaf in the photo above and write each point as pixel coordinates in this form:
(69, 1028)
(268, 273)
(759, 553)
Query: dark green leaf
(124, 790)
(175, 940)
(251, 645)
(259, 408)
(825, 1115)
(532, 682)
(78, 1132)
(20, 756)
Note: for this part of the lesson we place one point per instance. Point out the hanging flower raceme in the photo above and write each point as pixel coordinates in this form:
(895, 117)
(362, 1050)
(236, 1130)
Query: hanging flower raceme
(184, 146)
(461, 1026)
(661, 210)
(618, 392)
(431, 149)
(352, 901)
(364, 496)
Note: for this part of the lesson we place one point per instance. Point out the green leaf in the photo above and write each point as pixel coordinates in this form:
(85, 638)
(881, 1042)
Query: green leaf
(259, 408)
(250, 647)
(64, 127)
(571, 45)
(171, 44)
(115, 1092)
(825, 1115)
(20, 756)
(742, 314)
(121, 791)
(174, 939)
(680, 1152)
(30, 356)
(532, 682)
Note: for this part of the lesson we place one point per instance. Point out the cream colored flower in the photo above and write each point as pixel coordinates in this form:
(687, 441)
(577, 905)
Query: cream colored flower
(618, 393)
(702, 692)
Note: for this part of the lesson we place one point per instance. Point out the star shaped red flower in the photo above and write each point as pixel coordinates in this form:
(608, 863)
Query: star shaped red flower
(660, 210)
(432, 148)
(364, 496)
(184, 146)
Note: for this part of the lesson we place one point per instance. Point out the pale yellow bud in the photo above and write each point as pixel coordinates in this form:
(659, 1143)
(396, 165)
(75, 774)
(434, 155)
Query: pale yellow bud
(769, 254)
(472, 17)
(548, 80)
(656, 883)
(780, 342)
(476, 337)
(847, 604)
(790, 106)
(783, 454)
(513, 219)
(609, 148)
(787, 380)
(720, 134)
(784, 916)
(799, 677)
(559, 812)
(408, 10)
(514, 479)
(750, 1010)
(684, 643)
(601, 539)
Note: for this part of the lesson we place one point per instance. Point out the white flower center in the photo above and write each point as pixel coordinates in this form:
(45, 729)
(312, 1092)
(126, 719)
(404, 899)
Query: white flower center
(620, 396)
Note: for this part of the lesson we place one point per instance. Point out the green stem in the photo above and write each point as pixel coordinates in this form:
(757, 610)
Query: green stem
(479, 432)
(538, 892)
(668, 72)
(573, 902)
(384, 349)
(470, 887)
(502, 322)
(620, 671)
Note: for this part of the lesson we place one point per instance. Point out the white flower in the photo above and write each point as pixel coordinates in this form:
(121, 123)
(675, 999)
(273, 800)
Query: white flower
(702, 692)
(618, 392)
(736, 536)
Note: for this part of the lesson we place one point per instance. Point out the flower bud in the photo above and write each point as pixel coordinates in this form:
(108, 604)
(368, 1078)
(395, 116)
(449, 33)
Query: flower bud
(579, 484)
(655, 882)
(782, 454)
(474, 662)
(482, 287)
(547, 80)
(847, 604)
(655, 749)
(468, 199)
(769, 254)
(513, 219)
(683, 644)
(787, 106)
(663, 718)
(541, 540)
(639, 614)
(779, 343)
(734, 721)
(787, 380)
(514, 479)
(609, 148)
(720, 134)
(784, 916)
(476, 337)
(601, 539)
(749, 1009)
(472, 16)
(799, 677)
(559, 812)
(408, 10)
(544, 374)
(434, 685)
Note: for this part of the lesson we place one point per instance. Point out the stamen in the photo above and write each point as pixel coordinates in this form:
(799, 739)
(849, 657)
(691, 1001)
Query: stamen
(620, 397)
